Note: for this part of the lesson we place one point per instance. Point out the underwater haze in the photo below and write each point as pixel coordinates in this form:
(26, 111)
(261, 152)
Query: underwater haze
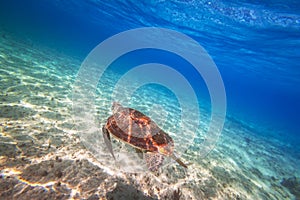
(255, 46)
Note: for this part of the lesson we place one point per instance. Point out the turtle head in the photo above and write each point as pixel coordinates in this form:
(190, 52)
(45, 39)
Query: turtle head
(115, 106)
(166, 150)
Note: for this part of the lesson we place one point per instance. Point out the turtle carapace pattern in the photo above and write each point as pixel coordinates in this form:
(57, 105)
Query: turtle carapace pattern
(138, 130)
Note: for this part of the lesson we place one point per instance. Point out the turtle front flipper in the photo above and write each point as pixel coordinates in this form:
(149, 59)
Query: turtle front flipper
(178, 161)
(153, 161)
(139, 153)
(107, 141)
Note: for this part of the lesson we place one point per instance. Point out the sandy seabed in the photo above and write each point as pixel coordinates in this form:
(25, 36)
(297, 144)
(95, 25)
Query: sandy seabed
(42, 157)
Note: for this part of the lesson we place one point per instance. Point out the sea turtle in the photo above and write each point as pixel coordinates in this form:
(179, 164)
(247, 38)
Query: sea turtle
(138, 130)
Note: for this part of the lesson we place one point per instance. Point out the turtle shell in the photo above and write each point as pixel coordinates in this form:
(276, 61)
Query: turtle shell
(138, 130)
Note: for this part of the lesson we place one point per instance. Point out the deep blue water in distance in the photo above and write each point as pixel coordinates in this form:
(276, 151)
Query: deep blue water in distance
(255, 44)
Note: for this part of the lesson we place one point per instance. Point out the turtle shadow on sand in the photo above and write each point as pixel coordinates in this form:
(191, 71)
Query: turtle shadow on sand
(123, 191)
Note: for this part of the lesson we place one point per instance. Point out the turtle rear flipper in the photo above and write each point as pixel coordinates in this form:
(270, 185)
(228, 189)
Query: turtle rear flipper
(107, 141)
(153, 161)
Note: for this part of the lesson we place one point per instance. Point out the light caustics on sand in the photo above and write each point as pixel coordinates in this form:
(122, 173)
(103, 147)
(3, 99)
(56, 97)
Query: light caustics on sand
(177, 43)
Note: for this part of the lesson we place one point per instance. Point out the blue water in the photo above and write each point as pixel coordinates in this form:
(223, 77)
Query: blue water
(255, 44)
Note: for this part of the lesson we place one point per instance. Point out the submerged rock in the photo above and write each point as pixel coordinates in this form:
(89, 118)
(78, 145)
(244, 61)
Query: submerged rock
(293, 185)
(124, 191)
